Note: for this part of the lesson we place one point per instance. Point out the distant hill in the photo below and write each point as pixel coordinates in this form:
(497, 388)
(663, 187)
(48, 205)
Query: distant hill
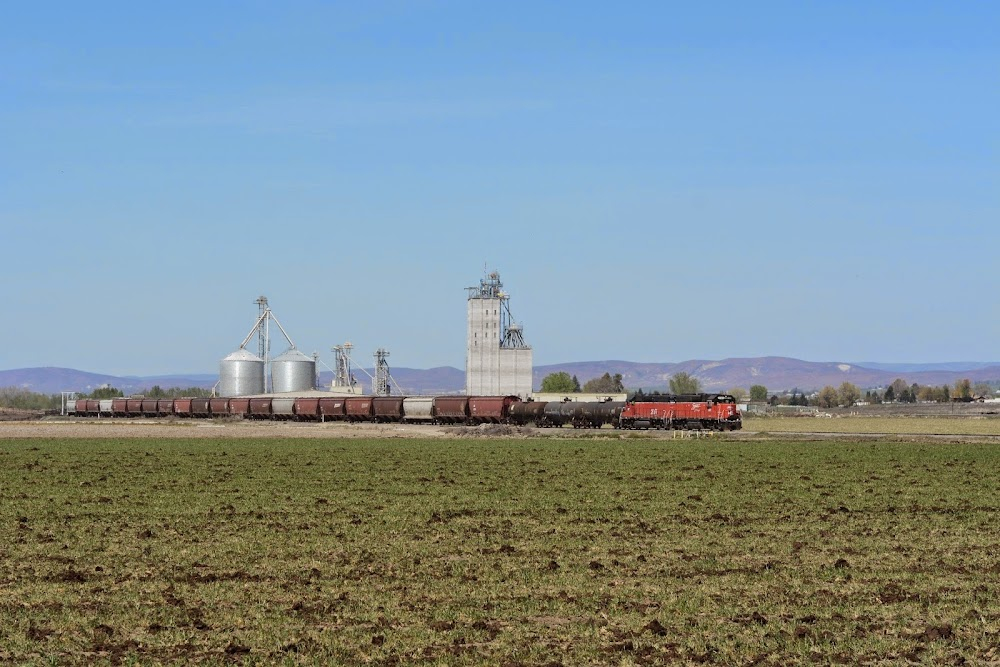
(48, 380)
(51, 380)
(415, 381)
(775, 373)
(957, 366)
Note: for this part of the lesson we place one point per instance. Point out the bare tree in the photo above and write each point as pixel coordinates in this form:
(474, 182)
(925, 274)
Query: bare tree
(848, 394)
(963, 389)
(982, 389)
(739, 393)
(827, 397)
(898, 387)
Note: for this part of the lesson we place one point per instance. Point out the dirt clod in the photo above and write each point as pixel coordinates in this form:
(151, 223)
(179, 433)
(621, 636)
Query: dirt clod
(656, 628)
(935, 632)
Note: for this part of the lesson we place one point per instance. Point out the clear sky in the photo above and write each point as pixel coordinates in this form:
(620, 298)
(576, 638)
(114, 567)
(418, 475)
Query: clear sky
(655, 181)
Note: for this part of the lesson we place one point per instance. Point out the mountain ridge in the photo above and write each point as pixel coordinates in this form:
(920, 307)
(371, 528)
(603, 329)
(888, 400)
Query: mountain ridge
(775, 373)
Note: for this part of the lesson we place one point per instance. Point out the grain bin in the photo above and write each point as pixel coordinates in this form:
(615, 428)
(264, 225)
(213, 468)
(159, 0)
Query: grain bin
(293, 371)
(241, 374)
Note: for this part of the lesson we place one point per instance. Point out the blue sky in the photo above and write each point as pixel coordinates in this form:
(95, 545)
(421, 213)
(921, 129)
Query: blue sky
(655, 181)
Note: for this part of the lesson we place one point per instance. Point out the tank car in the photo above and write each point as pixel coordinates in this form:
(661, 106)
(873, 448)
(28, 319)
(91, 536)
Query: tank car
(523, 413)
(594, 414)
(557, 413)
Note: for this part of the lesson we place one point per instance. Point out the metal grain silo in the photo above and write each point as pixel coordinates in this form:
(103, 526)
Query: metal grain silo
(293, 371)
(241, 374)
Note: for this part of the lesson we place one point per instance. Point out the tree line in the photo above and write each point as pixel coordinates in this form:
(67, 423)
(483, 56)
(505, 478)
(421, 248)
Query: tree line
(21, 399)
(18, 398)
(563, 383)
(846, 395)
(898, 392)
(679, 383)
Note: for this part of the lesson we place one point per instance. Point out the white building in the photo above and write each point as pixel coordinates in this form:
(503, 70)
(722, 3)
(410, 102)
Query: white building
(497, 360)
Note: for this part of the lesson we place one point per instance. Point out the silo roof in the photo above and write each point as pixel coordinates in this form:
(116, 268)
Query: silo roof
(292, 354)
(243, 354)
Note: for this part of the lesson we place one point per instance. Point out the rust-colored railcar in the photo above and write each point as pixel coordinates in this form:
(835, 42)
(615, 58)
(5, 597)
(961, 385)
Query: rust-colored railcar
(260, 408)
(307, 408)
(490, 409)
(358, 408)
(451, 409)
(200, 407)
(387, 408)
(239, 407)
(332, 408)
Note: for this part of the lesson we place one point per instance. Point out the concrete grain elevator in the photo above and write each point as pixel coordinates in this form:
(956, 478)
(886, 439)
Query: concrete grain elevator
(497, 360)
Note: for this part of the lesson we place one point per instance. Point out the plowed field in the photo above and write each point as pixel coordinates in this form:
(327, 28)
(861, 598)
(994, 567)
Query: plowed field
(500, 552)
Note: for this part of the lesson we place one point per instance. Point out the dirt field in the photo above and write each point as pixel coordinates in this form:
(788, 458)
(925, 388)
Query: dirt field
(240, 545)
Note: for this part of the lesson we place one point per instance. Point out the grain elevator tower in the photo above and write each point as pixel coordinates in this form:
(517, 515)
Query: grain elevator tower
(497, 360)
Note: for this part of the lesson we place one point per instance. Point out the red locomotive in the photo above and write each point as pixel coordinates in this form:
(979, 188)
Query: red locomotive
(689, 411)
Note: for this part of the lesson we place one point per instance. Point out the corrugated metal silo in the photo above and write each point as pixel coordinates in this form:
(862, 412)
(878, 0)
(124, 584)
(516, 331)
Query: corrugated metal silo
(293, 371)
(241, 374)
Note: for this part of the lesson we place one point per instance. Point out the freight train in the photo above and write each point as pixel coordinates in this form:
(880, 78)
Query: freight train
(690, 411)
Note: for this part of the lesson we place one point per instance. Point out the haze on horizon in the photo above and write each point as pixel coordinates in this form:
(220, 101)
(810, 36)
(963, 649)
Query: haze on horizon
(657, 182)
